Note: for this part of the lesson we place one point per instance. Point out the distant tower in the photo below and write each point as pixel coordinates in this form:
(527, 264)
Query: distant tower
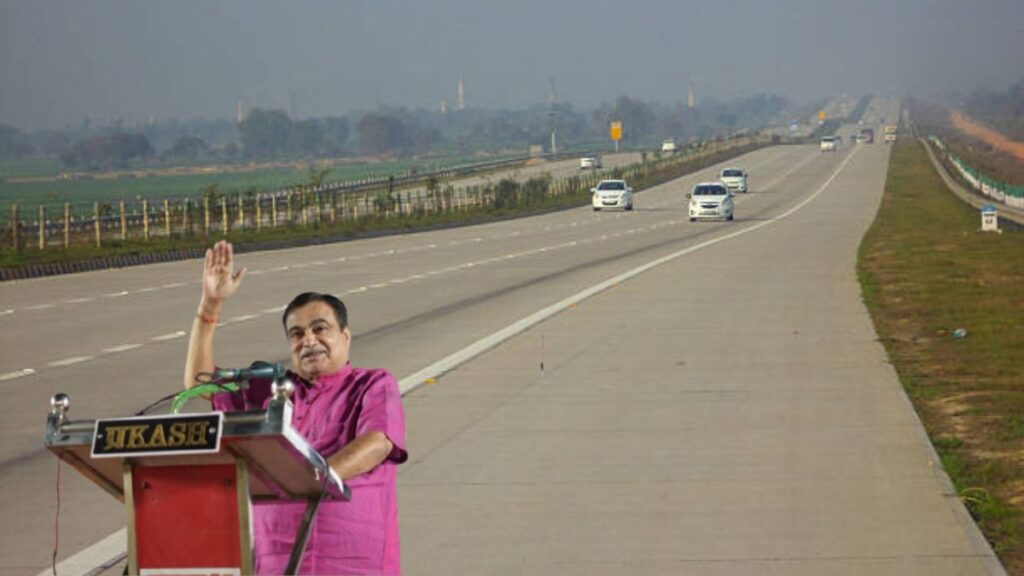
(552, 96)
(691, 101)
(462, 96)
(444, 106)
(238, 111)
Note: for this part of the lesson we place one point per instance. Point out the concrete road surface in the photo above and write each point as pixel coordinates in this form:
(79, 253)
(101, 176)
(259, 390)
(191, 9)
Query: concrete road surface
(712, 401)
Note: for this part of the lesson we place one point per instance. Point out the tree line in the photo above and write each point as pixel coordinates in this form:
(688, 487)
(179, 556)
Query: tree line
(1003, 111)
(267, 134)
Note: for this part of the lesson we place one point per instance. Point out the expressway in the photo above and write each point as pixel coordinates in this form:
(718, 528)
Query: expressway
(703, 398)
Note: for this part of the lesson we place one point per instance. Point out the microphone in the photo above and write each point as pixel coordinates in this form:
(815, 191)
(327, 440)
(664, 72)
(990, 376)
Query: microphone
(257, 370)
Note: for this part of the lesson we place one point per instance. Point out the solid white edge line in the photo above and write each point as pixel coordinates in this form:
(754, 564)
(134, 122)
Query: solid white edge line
(92, 557)
(114, 545)
(417, 379)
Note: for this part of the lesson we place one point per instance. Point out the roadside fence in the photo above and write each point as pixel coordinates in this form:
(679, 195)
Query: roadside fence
(999, 191)
(102, 224)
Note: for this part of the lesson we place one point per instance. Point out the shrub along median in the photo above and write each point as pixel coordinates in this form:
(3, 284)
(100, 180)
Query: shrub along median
(948, 304)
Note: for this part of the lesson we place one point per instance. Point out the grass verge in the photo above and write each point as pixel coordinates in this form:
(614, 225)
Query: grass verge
(926, 272)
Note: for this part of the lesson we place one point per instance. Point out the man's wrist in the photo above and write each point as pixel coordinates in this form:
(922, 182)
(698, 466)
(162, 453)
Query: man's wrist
(208, 312)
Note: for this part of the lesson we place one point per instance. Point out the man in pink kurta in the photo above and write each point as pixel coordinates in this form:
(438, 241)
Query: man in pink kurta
(356, 537)
(352, 416)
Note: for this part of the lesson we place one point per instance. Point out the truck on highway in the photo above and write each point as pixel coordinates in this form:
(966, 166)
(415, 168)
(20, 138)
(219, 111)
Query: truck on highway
(867, 136)
(889, 133)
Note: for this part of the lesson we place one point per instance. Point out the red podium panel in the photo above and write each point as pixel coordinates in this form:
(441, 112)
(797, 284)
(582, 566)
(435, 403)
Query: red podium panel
(187, 517)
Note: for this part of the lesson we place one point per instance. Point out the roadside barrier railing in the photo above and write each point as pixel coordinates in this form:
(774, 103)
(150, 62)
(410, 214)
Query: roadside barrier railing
(101, 224)
(1002, 192)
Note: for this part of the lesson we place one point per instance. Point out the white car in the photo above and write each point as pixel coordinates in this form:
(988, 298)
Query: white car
(668, 145)
(735, 179)
(590, 162)
(828, 144)
(710, 200)
(612, 194)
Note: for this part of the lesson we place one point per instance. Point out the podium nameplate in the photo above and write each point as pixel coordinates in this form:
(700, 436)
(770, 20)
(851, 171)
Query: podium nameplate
(158, 435)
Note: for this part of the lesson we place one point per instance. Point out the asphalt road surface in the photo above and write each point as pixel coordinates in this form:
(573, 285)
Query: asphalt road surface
(673, 397)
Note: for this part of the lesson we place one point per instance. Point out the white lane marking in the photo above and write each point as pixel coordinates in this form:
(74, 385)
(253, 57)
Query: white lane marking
(242, 318)
(381, 285)
(255, 272)
(101, 553)
(6, 312)
(173, 285)
(275, 310)
(170, 336)
(121, 348)
(40, 307)
(17, 374)
(70, 361)
(79, 300)
(446, 364)
(357, 290)
(116, 294)
(141, 290)
(279, 268)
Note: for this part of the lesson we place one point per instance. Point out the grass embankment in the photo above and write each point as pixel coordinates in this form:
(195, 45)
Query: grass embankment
(926, 271)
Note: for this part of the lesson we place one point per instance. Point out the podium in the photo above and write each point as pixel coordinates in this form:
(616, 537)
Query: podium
(188, 481)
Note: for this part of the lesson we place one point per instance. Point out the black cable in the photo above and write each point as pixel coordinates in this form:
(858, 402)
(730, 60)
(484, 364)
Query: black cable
(56, 520)
(201, 378)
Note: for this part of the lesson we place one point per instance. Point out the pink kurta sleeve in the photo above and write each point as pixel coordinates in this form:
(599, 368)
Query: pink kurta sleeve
(382, 411)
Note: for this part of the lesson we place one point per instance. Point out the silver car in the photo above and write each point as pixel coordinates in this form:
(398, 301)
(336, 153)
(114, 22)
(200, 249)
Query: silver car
(710, 200)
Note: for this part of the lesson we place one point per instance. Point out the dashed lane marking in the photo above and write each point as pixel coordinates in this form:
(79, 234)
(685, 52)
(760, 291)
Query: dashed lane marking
(170, 336)
(70, 361)
(17, 374)
(121, 348)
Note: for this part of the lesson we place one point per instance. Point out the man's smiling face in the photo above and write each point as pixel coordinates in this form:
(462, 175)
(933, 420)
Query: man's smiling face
(318, 344)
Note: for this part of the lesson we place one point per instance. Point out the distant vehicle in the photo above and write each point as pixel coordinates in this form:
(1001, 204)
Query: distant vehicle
(668, 145)
(612, 194)
(828, 144)
(591, 162)
(867, 136)
(889, 133)
(735, 179)
(710, 200)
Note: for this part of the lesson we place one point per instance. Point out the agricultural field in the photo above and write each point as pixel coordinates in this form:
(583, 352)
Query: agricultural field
(30, 183)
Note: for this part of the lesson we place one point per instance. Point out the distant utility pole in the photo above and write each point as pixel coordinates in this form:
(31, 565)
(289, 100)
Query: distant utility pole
(462, 96)
(238, 111)
(552, 97)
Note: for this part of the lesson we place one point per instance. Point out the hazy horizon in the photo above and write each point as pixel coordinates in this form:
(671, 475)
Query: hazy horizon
(63, 61)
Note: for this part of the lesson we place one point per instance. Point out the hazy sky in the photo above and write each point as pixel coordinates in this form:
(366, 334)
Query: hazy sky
(64, 60)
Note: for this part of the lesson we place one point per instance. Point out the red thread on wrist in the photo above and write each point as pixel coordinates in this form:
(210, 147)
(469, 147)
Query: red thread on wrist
(208, 319)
